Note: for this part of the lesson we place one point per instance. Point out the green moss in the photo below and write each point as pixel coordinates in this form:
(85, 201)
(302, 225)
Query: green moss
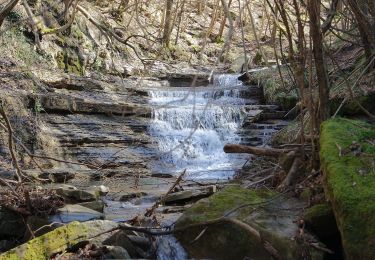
(22, 49)
(45, 246)
(350, 183)
(223, 201)
(318, 210)
(69, 62)
(217, 241)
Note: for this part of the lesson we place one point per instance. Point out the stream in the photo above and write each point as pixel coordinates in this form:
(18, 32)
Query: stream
(192, 125)
(182, 128)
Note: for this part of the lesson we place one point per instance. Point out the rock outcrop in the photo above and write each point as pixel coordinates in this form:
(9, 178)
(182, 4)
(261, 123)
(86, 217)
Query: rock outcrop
(347, 156)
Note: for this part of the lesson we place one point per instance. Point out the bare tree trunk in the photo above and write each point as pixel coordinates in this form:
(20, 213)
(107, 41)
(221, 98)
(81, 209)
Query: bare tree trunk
(230, 32)
(167, 23)
(222, 25)
(362, 10)
(179, 21)
(313, 8)
(252, 21)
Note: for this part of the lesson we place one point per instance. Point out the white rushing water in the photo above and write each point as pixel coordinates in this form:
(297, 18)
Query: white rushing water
(192, 125)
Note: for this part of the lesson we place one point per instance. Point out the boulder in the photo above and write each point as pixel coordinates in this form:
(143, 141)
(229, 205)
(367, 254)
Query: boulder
(268, 218)
(54, 175)
(182, 197)
(72, 193)
(121, 239)
(76, 212)
(11, 224)
(321, 221)
(130, 195)
(60, 239)
(116, 252)
(347, 158)
(96, 205)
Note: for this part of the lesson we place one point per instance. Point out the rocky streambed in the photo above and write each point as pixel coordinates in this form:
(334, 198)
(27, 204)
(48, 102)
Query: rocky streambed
(133, 138)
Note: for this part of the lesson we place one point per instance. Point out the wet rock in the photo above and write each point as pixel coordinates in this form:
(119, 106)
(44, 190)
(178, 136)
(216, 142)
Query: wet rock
(72, 193)
(182, 197)
(185, 79)
(121, 239)
(116, 252)
(97, 205)
(131, 195)
(162, 175)
(60, 239)
(76, 212)
(172, 209)
(273, 222)
(57, 176)
(11, 224)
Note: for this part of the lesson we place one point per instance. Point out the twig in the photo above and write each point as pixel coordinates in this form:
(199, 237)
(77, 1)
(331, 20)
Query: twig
(11, 145)
(151, 210)
(340, 149)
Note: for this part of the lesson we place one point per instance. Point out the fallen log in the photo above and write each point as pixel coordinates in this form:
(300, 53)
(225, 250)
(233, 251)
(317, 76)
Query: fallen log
(236, 148)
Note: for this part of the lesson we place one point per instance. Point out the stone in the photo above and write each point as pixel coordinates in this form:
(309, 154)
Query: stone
(116, 252)
(130, 195)
(121, 239)
(96, 205)
(350, 192)
(57, 176)
(72, 193)
(321, 221)
(264, 215)
(76, 212)
(11, 224)
(39, 226)
(182, 197)
(60, 239)
(162, 175)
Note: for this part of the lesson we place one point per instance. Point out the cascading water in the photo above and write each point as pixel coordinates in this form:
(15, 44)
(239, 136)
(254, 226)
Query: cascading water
(192, 125)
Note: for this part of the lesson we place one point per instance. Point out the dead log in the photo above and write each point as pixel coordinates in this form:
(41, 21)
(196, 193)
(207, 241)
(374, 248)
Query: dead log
(236, 148)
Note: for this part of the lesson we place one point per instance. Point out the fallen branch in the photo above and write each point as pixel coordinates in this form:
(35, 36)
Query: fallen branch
(236, 148)
(151, 210)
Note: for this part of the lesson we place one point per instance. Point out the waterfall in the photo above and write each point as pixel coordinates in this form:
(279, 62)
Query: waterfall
(191, 126)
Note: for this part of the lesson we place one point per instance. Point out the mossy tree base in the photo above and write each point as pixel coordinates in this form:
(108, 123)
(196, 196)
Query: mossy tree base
(350, 182)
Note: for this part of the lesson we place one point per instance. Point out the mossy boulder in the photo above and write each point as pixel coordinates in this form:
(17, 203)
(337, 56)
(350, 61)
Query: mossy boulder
(269, 214)
(320, 217)
(11, 224)
(350, 107)
(350, 182)
(58, 240)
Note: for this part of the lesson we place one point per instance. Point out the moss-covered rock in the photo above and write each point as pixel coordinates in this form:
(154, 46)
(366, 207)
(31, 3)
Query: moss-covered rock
(350, 182)
(351, 107)
(58, 240)
(321, 220)
(228, 240)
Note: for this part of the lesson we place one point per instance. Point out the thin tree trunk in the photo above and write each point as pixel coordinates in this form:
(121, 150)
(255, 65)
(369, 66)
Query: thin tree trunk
(222, 25)
(320, 65)
(167, 23)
